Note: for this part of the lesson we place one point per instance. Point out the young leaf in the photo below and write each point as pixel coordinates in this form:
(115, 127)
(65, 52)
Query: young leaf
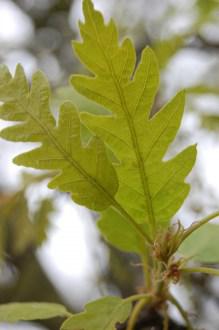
(85, 172)
(202, 245)
(101, 314)
(150, 190)
(14, 312)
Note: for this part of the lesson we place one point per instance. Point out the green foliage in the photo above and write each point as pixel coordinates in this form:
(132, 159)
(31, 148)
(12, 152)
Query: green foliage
(147, 185)
(206, 8)
(83, 104)
(41, 221)
(202, 245)
(120, 169)
(166, 49)
(202, 90)
(210, 122)
(85, 171)
(14, 312)
(101, 314)
(14, 215)
(120, 233)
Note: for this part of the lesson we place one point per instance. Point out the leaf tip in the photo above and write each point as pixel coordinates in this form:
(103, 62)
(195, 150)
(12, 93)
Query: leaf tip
(87, 5)
(17, 160)
(195, 147)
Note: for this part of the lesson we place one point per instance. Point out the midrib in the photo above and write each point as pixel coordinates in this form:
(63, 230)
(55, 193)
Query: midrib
(88, 177)
(135, 143)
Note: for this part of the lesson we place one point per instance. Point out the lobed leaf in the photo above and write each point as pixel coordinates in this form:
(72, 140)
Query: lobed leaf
(14, 312)
(135, 187)
(84, 171)
(150, 190)
(102, 314)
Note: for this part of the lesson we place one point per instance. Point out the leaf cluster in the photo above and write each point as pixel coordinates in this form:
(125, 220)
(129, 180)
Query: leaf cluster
(121, 172)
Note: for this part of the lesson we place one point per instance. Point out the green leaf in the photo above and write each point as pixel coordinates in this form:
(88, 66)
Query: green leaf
(210, 122)
(150, 190)
(19, 230)
(101, 314)
(68, 93)
(14, 312)
(129, 179)
(85, 171)
(120, 233)
(202, 89)
(41, 221)
(202, 245)
(14, 215)
(20, 240)
(206, 7)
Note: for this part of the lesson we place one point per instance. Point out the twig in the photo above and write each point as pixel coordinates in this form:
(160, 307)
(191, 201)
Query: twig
(184, 314)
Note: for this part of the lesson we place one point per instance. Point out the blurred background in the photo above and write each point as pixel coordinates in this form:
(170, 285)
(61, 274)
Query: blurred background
(50, 249)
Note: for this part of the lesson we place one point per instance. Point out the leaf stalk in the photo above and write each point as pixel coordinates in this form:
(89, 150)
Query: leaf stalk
(204, 270)
(197, 224)
(136, 311)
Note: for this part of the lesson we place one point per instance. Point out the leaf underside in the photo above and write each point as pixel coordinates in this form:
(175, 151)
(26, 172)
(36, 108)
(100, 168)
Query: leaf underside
(84, 171)
(150, 190)
(14, 312)
(202, 245)
(138, 189)
(101, 314)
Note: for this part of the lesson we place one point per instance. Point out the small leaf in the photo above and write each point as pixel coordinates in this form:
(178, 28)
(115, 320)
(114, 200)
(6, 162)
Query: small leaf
(102, 314)
(14, 312)
(202, 244)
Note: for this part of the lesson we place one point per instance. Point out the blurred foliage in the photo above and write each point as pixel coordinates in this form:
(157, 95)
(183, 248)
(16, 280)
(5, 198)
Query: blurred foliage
(84, 105)
(211, 122)
(14, 312)
(202, 246)
(166, 49)
(206, 10)
(19, 231)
